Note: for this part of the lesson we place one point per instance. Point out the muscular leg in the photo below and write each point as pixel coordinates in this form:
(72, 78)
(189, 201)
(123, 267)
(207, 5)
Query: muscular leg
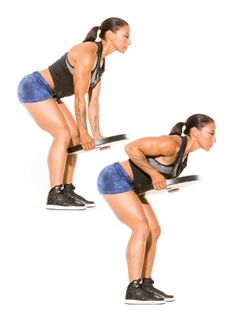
(154, 234)
(71, 159)
(49, 117)
(129, 210)
(150, 253)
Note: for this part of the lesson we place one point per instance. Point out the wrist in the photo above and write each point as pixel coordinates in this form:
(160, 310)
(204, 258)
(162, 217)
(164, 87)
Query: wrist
(97, 136)
(83, 133)
(155, 173)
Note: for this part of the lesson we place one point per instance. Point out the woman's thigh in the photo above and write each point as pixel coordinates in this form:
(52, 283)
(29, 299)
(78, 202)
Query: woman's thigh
(70, 120)
(48, 116)
(128, 208)
(150, 214)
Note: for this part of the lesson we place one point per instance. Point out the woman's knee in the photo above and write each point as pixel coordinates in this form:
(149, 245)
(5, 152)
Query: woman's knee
(155, 231)
(62, 135)
(74, 138)
(142, 230)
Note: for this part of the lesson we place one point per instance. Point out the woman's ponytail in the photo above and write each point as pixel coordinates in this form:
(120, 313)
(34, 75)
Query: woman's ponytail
(196, 120)
(113, 24)
(92, 35)
(177, 129)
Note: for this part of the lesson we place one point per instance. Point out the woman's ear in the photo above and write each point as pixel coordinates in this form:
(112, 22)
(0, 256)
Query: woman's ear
(195, 132)
(109, 35)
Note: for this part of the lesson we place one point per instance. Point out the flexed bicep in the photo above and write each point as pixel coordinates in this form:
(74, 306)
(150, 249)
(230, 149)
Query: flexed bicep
(140, 149)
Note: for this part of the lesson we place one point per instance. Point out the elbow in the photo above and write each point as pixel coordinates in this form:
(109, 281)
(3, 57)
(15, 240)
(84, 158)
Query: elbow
(80, 98)
(93, 102)
(133, 151)
(129, 149)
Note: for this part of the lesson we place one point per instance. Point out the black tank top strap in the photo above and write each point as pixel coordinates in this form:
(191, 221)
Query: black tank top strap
(96, 74)
(179, 159)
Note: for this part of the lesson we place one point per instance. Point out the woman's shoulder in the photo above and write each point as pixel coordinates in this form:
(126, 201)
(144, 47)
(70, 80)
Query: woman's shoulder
(165, 144)
(171, 143)
(86, 47)
(84, 51)
(170, 139)
(175, 139)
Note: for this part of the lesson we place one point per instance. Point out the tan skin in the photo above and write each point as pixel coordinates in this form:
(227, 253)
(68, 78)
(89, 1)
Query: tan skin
(136, 212)
(57, 120)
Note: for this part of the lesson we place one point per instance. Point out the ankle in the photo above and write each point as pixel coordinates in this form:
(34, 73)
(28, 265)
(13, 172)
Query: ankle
(69, 186)
(57, 187)
(148, 280)
(135, 282)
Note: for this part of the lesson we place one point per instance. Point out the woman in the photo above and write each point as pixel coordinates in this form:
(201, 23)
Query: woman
(117, 184)
(77, 72)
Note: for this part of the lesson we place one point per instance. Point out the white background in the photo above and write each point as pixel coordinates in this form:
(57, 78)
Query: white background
(72, 264)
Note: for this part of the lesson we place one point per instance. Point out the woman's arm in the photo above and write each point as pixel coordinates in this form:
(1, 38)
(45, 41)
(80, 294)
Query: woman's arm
(137, 151)
(93, 111)
(82, 72)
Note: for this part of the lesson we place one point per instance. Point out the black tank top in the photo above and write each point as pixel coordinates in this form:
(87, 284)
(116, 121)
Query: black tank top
(62, 74)
(170, 171)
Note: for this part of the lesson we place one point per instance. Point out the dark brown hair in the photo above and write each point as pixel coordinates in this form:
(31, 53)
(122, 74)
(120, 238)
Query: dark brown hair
(112, 24)
(196, 120)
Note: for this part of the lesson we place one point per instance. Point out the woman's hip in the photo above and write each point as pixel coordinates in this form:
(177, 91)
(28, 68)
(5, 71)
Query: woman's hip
(113, 179)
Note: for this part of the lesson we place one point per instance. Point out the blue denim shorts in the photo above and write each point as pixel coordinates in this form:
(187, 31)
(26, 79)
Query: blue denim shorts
(114, 179)
(34, 88)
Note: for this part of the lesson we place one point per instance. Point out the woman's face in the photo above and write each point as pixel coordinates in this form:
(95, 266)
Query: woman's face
(206, 136)
(121, 39)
